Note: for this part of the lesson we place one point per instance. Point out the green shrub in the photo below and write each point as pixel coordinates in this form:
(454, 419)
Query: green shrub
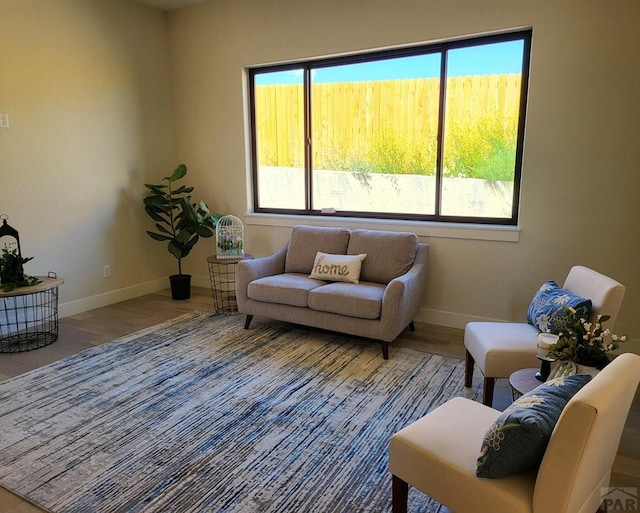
(483, 148)
(389, 153)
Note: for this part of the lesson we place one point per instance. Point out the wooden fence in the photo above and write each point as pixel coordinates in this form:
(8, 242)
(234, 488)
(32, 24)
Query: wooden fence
(348, 116)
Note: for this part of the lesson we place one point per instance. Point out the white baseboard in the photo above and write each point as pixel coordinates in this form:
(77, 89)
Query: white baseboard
(201, 280)
(449, 319)
(426, 315)
(111, 297)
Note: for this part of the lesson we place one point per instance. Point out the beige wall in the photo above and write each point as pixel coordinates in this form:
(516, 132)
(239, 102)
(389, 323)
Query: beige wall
(582, 157)
(103, 95)
(86, 86)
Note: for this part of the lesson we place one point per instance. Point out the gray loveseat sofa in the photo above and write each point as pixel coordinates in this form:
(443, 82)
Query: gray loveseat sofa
(380, 303)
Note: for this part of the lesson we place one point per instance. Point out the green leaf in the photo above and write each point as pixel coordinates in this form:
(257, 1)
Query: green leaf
(157, 214)
(183, 189)
(204, 232)
(175, 251)
(189, 245)
(188, 211)
(204, 208)
(163, 229)
(156, 200)
(185, 220)
(158, 237)
(156, 189)
(215, 218)
(158, 209)
(184, 236)
(179, 172)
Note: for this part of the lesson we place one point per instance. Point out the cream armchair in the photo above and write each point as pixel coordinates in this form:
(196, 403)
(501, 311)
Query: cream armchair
(438, 453)
(501, 348)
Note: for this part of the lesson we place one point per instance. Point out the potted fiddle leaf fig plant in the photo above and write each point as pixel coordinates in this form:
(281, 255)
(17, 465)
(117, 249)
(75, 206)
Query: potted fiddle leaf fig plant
(179, 223)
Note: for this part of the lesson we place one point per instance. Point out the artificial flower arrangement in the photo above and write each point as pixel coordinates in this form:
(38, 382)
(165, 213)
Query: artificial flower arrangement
(12, 273)
(585, 343)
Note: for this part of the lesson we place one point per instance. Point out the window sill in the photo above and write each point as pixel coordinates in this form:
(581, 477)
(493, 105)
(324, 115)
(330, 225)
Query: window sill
(422, 229)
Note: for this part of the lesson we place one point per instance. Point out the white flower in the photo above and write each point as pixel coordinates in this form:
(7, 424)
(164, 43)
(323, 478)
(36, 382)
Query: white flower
(581, 340)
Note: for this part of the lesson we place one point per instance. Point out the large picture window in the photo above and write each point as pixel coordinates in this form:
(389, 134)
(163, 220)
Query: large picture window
(430, 133)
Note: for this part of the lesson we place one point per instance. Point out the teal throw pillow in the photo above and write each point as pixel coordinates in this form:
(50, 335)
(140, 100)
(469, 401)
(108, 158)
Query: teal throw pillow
(517, 440)
(546, 311)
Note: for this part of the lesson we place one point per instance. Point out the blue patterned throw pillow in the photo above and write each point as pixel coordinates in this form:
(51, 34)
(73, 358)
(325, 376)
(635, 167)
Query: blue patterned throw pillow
(546, 311)
(517, 440)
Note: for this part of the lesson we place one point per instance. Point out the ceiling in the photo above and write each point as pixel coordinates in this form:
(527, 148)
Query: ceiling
(168, 5)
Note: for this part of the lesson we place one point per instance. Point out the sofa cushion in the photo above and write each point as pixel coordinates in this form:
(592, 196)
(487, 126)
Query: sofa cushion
(547, 308)
(337, 267)
(389, 254)
(306, 241)
(518, 439)
(363, 300)
(287, 289)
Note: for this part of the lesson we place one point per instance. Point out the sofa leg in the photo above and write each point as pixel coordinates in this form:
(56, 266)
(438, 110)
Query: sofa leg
(487, 394)
(468, 370)
(400, 491)
(385, 349)
(412, 326)
(247, 321)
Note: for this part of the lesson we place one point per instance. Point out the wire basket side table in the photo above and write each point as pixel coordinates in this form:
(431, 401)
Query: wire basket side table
(222, 273)
(29, 316)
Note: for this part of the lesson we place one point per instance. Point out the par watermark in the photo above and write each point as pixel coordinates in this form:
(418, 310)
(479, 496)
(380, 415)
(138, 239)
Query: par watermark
(623, 499)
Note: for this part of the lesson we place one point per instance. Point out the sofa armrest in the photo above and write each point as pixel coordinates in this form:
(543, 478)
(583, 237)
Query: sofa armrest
(404, 295)
(250, 270)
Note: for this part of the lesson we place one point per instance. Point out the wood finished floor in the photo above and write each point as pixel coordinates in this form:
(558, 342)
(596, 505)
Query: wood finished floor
(104, 324)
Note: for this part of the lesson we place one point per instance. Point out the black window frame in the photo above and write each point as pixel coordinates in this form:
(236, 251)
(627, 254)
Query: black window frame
(443, 47)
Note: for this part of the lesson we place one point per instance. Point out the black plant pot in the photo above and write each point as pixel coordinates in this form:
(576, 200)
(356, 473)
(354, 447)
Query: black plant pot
(180, 286)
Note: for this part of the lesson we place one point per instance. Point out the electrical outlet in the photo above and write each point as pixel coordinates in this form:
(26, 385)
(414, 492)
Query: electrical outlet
(4, 120)
(106, 271)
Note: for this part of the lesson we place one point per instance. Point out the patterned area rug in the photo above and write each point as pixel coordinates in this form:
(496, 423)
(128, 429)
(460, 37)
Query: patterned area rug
(199, 415)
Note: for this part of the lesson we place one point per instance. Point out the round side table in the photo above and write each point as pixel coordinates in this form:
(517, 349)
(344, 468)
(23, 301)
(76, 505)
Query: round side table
(29, 316)
(523, 381)
(222, 273)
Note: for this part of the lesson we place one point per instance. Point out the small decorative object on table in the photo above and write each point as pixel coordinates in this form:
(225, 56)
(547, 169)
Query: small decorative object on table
(545, 341)
(28, 304)
(582, 345)
(11, 262)
(229, 238)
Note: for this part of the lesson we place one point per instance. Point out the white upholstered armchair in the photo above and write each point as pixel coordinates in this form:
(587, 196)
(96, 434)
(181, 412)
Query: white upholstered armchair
(499, 349)
(438, 453)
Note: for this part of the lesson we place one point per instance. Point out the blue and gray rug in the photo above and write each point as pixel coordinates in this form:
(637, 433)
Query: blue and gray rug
(199, 415)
